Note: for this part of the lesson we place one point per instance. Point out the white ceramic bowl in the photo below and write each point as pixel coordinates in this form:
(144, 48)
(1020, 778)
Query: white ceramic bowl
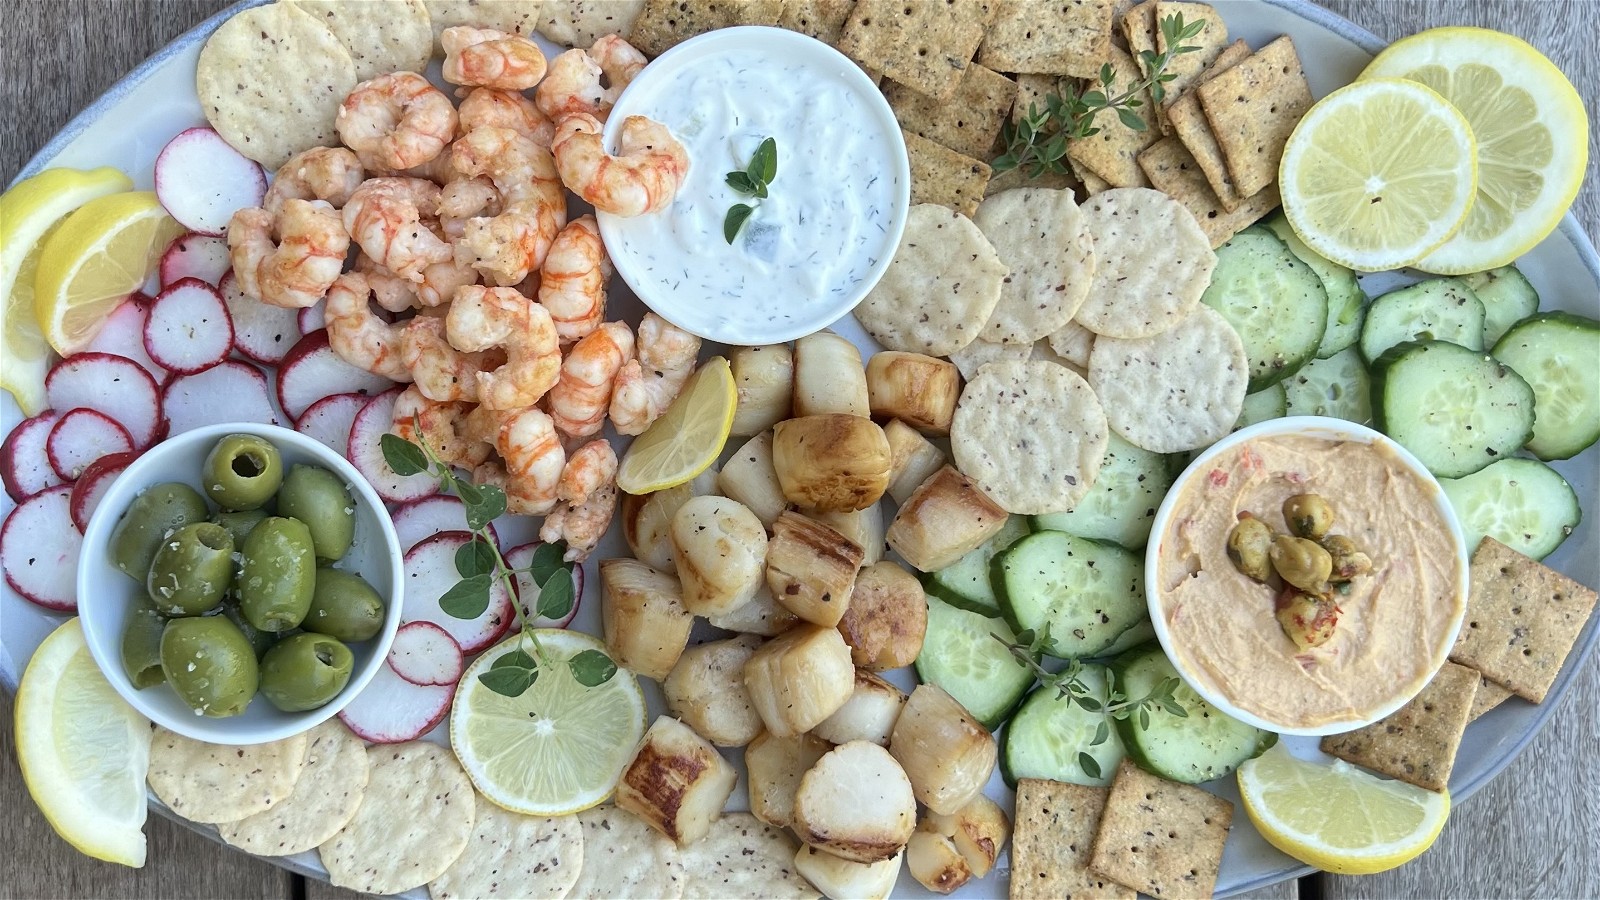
(1330, 429)
(106, 595)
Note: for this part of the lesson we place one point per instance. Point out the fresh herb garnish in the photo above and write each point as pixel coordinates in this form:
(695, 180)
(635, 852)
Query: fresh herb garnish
(1037, 142)
(752, 181)
(480, 565)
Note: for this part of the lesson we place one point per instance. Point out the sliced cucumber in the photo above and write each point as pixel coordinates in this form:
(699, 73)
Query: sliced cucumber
(1337, 386)
(1086, 592)
(1142, 631)
(1443, 309)
(1457, 410)
(960, 654)
(1521, 503)
(1275, 302)
(1347, 302)
(1201, 746)
(1122, 503)
(1507, 298)
(1051, 735)
(1558, 354)
(1268, 403)
(965, 583)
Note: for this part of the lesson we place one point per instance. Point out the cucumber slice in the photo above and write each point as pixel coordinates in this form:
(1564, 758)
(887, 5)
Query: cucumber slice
(1443, 309)
(1122, 502)
(965, 583)
(1521, 503)
(1086, 592)
(1201, 746)
(1557, 353)
(960, 654)
(1268, 403)
(1337, 386)
(1347, 302)
(1050, 736)
(1507, 299)
(1142, 632)
(1457, 410)
(1275, 302)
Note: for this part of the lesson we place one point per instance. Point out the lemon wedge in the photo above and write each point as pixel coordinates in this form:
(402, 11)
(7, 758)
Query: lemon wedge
(559, 747)
(100, 253)
(1532, 132)
(686, 440)
(83, 750)
(1378, 174)
(28, 212)
(1337, 817)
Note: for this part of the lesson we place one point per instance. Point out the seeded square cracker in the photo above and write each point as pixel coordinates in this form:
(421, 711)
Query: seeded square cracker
(513, 855)
(1174, 172)
(624, 857)
(664, 24)
(1113, 152)
(943, 176)
(821, 19)
(940, 288)
(579, 23)
(386, 37)
(968, 122)
(1188, 123)
(1489, 696)
(1252, 108)
(1050, 844)
(1522, 620)
(325, 797)
(924, 46)
(1042, 237)
(743, 857)
(1182, 389)
(1159, 837)
(1189, 68)
(1417, 743)
(1152, 263)
(211, 783)
(1064, 37)
(1138, 26)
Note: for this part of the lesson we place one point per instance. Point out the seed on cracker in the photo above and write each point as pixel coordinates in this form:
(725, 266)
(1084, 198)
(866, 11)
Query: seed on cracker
(664, 24)
(579, 23)
(1179, 390)
(943, 176)
(924, 46)
(1113, 152)
(1152, 263)
(624, 857)
(1174, 172)
(325, 797)
(513, 855)
(821, 19)
(1043, 238)
(1052, 839)
(1052, 38)
(213, 783)
(744, 857)
(968, 121)
(1252, 108)
(1159, 837)
(1187, 122)
(1417, 743)
(380, 37)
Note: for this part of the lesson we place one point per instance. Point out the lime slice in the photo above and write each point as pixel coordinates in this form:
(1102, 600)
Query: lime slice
(687, 439)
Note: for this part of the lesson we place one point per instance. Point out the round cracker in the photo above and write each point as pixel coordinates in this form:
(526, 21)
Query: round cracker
(1031, 433)
(579, 23)
(624, 857)
(1152, 263)
(510, 16)
(979, 353)
(412, 824)
(1043, 238)
(214, 783)
(391, 36)
(1073, 343)
(271, 80)
(325, 797)
(513, 855)
(1179, 390)
(940, 288)
(744, 857)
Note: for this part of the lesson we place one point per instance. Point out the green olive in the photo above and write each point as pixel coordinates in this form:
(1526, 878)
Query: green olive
(150, 517)
(1302, 563)
(141, 645)
(305, 671)
(344, 606)
(1308, 621)
(260, 640)
(1249, 546)
(192, 570)
(239, 523)
(1348, 560)
(320, 499)
(242, 471)
(1307, 515)
(210, 664)
(279, 574)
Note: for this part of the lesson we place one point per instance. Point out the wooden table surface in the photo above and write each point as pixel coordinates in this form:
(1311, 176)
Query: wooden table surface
(1533, 832)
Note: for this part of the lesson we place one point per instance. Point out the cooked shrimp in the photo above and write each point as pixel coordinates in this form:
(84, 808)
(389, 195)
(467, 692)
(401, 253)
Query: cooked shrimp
(579, 400)
(442, 426)
(386, 216)
(489, 108)
(483, 57)
(442, 372)
(647, 386)
(463, 199)
(621, 61)
(396, 121)
(321, 173)
(588, 491)
(514, 243)
(483, 318)
(357, 335)
(642, 178)
(392, 292)
(291, 259)
(573, 86)
(534, 460)
(572, 281)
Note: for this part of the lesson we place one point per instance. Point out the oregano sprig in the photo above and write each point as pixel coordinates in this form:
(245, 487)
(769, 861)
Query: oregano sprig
(752, 181)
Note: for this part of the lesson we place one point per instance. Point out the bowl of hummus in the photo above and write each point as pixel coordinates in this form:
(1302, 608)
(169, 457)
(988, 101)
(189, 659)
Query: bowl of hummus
(1306, 575)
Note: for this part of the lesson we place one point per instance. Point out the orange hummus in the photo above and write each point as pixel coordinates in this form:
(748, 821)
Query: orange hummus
(1396, 623)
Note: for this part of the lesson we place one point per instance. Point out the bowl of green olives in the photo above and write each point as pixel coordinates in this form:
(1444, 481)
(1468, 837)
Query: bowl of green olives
(240, 583)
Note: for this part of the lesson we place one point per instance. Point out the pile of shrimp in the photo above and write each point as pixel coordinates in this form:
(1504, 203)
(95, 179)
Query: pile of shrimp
(438, 239)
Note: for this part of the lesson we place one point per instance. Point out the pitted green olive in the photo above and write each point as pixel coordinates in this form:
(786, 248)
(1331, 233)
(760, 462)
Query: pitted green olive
(320, 499)
(278, 575)
(210, 664)
(1302, 563)
(150, 517)
(1250, 547)
(305, 671)
(242, 471)
(1307, 515)
(192, 570)
(344, 606)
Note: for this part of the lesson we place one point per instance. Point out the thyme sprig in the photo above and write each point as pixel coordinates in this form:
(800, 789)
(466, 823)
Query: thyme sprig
(752, 181)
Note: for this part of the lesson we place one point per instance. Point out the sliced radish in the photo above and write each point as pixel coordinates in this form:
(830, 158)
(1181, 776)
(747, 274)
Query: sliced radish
(421, 519)
(366, 453)
(423, 653)
(201, 181)
(188, 329)
(431, 571)
(195, 256)
(93, 483)
(123, 335)
(312, 370)
(24, 462)
(528, 592)
(114, 385)
(39, 549)
(312, 318)
(329, 420)
(231, 392)
(82, 436)
(261, 331)
(392, 710)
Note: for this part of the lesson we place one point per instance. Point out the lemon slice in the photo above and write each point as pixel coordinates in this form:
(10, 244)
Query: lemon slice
(99, 255)
(1532, 131)
(83, 750)
(1337, 817)
(28, 211)
(1378, 174)
(686, 440)
(559, 747)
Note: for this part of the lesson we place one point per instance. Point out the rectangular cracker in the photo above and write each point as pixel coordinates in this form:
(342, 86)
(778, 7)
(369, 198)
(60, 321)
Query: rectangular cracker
(943, 176)
(1252, 108)
(1139, 30)
(1187, 121)
(968, 122)
(1173, 171)
(1416, 744)
(1064, 37)
(1050, 844)
(1092, 183)
(1159, 837)
(1489, 696)
(664, 24)
(1113, 153)
(1188, 68)
(821, 19)
(924, 46)
(1522, 620)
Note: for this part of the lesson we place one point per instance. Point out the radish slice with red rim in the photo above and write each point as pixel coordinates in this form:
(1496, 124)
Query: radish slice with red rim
(418, 520)
(188, 329)
(113, 385)
(430, 569)
(261, 331)
(93, 484)
(195, 256)
(24, 463)
(231, 392)
(528, 591)
(312, 318)
(423, 653)
(366, 453)
(123, 335)
(201, 181)
(312, 370)
(82, 436)
(39, 549)
(392, 710)
(329, 420)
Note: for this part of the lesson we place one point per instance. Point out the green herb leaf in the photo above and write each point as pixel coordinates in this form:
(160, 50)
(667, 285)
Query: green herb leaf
(404, 457)
(1144, 719)
(475, 557)
(1090, 703)
(509, 681)
(1101, 734)
(1108, 76)
(1088, 765)
(592, 668)
(546, 560)
(467, 598)
(1094, 98)
(515, 658)
(741, 182)
(556, 595)
(469, 494)
(737, 214)
(764, 164)
(1131, 119)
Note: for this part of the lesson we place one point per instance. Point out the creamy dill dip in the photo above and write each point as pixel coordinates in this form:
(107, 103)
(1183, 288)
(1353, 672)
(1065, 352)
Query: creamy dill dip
(833, 212)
